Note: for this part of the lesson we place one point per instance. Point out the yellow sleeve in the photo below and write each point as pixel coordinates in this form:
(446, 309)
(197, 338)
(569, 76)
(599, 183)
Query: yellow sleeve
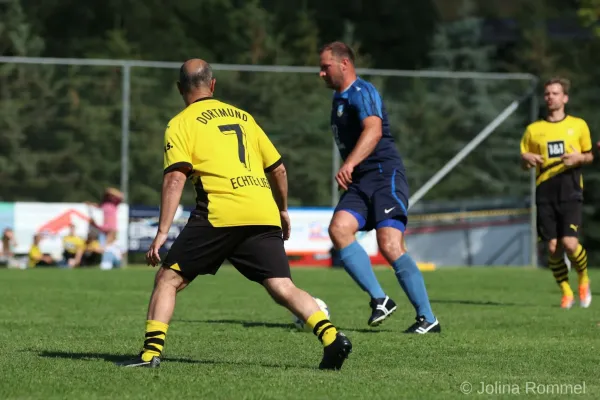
(34, 253)
(271, 158)
(177, 149)
(525, 142)
(585, 139)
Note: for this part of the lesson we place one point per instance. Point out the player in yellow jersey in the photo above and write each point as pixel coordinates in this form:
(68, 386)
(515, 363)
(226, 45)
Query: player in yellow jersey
(74, 247)
(558, 147)
(233, 166)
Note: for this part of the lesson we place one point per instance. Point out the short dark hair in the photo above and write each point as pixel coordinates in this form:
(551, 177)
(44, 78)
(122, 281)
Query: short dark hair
(195, 80)
(339, 50)
(563, 82)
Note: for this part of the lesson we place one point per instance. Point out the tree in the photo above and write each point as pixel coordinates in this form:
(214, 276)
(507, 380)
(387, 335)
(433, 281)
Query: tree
(438, 117)
(589, 14)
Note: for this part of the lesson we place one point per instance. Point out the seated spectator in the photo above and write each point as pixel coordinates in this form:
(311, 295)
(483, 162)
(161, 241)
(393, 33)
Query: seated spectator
(36, 257)
(93, 251)
(73, 246)
(8, 245)
(113, 255)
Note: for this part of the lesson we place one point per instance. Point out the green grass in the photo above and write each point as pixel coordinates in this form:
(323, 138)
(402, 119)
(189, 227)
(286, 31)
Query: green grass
(60, 332)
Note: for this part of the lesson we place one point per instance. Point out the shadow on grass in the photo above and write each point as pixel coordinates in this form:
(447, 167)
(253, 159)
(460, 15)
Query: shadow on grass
(115, 358)
(259, 324)
(479, 303)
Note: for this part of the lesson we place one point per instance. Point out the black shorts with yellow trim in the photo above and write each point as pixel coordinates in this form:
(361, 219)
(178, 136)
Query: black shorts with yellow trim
(256, 251)
(556, 220)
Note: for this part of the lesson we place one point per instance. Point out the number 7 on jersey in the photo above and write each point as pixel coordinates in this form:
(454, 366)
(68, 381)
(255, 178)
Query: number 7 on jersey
(236, 129)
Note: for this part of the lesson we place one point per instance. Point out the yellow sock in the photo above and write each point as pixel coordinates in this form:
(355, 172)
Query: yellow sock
(561, 274)
(322, 328)
(579, 261)
(566, 289)
(156, 332)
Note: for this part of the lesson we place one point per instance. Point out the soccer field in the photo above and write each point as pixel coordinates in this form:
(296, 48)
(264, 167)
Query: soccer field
(63, 329)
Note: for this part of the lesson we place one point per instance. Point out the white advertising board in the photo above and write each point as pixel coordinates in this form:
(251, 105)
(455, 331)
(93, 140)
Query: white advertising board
(53, 220)
(309, 232)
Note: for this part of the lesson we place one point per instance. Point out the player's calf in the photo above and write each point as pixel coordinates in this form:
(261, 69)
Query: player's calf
(391, 242)
(560, 271)
(162, 303)
(578, 257)
(337, 347)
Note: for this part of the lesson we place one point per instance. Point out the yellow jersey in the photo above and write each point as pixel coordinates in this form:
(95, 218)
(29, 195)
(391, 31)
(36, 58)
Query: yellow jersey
(72, 244)
(229, 154)
(555, 181)
(93, 246)
(35, 255)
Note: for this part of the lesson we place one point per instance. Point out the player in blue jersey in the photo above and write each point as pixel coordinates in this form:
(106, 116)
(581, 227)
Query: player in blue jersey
(376, 190)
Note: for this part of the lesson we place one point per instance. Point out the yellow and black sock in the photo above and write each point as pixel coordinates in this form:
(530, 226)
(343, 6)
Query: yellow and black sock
(579, 262)
(156, 332)
(561, 274)
(322, 328)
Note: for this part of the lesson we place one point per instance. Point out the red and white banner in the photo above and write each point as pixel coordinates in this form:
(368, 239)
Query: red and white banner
(52, 220)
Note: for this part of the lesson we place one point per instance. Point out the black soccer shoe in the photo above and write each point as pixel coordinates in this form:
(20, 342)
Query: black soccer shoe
(138, 362)
(422, 326)
(336, 353)
(382, 308)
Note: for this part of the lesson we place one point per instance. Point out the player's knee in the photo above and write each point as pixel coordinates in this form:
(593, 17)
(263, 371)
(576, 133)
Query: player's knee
(168, 277)
(553, 247)
(390, 243)
(570, 244)
(280, 289)
(340, 230)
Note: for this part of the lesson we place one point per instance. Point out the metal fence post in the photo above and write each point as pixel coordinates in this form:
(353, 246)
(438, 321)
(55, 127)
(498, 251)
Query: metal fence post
(534, 114)
(125, 111)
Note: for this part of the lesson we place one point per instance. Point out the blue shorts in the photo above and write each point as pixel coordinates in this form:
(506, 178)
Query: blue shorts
(377, 199)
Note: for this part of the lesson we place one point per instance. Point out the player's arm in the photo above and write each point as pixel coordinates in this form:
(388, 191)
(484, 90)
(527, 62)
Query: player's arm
(78, 255)
(585, 156)
(277, 176)
(177, 167)
(279, 186)
(172, 188)
(370, 112)
(274, 168)
(586, 145)
(529, 159)
(369, 137)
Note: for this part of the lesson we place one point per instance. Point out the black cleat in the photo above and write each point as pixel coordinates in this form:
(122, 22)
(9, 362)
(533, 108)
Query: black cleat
(422, 326)
(138, 362)
(382, 308)
(336, 353)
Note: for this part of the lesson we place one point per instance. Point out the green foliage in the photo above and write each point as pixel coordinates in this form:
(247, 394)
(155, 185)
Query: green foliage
(436, 118)
(60, 131)
(589, 13)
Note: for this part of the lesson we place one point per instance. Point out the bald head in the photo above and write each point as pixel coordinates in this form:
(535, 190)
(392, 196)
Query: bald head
(195, 75)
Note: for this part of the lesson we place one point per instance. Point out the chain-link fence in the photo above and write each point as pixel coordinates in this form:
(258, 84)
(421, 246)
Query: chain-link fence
(66, 124)
(69, 131)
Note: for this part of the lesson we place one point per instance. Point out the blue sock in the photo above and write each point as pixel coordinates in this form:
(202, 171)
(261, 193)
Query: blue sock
(358, 265)
(412, 282)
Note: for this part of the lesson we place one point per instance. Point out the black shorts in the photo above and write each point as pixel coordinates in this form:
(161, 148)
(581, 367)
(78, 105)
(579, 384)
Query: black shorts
(559, 219)
(255, 251)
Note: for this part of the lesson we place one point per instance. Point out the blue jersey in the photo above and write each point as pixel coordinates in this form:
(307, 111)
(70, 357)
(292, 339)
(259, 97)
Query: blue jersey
(350, 108)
